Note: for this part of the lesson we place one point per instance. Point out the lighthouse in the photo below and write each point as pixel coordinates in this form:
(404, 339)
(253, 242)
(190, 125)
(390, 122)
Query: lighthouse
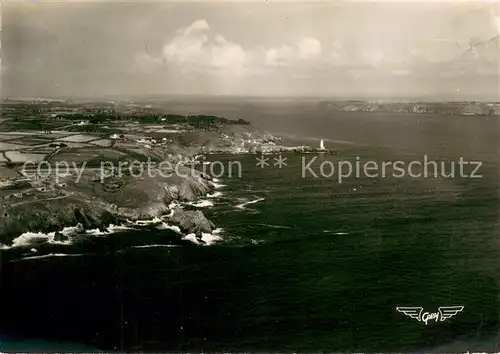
(322, 145)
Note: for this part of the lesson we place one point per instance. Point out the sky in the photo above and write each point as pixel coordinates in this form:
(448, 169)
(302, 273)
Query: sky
(260, 48)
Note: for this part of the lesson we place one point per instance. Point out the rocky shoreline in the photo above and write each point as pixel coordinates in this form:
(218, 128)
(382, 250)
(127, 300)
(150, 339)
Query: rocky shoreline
(96, 203)
(100, 209)
(90, 197)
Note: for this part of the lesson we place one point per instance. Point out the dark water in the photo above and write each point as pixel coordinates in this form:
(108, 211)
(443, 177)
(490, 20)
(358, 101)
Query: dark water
(311, 265)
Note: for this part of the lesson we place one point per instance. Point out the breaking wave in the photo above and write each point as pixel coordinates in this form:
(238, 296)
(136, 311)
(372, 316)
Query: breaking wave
(206, 239)
(215, 195)
(244, 204)
(155, 246)
(203, 203)
(36, 238)
(49, 244)
(50, 255)
(166, 226)
(148, 222)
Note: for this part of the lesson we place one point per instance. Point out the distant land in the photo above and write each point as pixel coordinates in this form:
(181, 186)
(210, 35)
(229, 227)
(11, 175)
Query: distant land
(478, 108)
(472, 108)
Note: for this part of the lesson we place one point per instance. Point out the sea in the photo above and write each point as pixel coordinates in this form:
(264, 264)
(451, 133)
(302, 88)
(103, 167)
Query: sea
(302, 261)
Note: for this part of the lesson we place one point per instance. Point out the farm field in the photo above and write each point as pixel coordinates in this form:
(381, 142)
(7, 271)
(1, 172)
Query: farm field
(8, 173)
(5, 136)
(102, 142)
(9, 146)
(31, 140)
(79, 138)
(169, 131)
(18, 156)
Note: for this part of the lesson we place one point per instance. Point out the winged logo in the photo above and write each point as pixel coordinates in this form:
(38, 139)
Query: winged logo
(413, 312)
(445, 312)
(449, 311)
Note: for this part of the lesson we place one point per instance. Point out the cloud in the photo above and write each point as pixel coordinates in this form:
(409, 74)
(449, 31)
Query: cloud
(373, 56)
(309, 48)
(306, 48)
(197, 49)
(199, 53)
(279, 56)
(225, 54)
(194, 48)
(199, 25)
(497, 23)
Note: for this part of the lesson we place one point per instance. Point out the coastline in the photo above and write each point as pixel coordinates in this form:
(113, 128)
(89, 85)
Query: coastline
(89, 200)
(171, 219)
(93, 196)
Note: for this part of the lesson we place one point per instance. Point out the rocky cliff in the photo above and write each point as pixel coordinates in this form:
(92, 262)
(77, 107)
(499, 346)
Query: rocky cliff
(93, 205)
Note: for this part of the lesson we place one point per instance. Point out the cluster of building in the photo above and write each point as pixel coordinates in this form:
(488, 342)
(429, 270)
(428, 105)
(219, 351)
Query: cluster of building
(117, 137)
(150, 142)
(36, 186)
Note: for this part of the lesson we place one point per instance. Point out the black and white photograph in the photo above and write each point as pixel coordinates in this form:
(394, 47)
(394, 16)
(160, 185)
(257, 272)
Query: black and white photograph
(266, 176)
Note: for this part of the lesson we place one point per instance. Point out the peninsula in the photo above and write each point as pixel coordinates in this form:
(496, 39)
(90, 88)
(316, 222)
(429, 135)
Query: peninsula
(472, 108)
(39, 136)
